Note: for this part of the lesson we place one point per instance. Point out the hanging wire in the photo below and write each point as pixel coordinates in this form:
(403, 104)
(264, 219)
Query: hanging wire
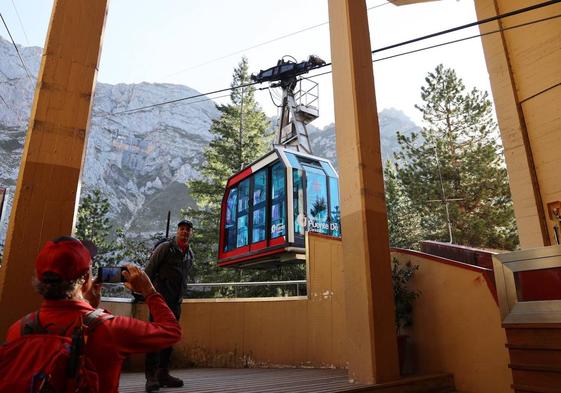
(240, 51)
(21, 23)
(16, 48)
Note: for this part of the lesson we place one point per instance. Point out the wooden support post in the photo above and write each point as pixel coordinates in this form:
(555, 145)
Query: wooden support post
(48, 181)
(531, 154)
(368, 284)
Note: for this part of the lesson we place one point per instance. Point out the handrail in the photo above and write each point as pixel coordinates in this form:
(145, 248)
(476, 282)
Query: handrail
(236, 285)
(243, 284)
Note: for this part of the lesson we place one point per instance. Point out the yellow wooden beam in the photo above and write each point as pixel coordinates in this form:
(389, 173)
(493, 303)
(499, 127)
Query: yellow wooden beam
(366, 257)
(49, 175)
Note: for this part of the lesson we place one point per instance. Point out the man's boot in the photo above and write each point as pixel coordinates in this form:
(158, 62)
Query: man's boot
(166, 380)
(152, 384)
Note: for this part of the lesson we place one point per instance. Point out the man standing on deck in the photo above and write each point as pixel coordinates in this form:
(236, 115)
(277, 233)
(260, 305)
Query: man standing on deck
(168, 268)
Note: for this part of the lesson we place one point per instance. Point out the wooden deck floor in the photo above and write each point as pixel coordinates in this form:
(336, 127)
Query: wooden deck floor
(289, 380)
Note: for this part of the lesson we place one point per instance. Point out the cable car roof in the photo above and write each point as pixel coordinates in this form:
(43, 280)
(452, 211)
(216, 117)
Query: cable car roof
(290, 158)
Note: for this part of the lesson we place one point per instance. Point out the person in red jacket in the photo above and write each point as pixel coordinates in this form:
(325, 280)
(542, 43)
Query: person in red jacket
(64, 280)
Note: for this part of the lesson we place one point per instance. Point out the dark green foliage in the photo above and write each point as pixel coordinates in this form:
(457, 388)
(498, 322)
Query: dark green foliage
(93, 224)
(319, 206)
(403, 220)
(239, 138)
(457, 155)
(403, 296)
(113, 249)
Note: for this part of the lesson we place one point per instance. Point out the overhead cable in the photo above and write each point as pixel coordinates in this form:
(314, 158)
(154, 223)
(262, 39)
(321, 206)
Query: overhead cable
(466, 26)
(21, 23)
(453, 41)
(473, 24)
(4, 101)
(240, 51)
(183, 99)
(16, 48)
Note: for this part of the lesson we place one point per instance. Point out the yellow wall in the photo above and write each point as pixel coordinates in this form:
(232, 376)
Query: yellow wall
(457, 325)
(303, 331)
(269, 331)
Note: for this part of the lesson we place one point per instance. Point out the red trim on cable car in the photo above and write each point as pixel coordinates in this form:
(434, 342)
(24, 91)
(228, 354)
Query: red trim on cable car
(249, 257)
(258, 245)
(235, 252)
(276, 241)
(223, 222)
(239, 177)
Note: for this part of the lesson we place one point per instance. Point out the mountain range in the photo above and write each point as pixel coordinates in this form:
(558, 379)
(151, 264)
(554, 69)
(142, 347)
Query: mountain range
(140, 160)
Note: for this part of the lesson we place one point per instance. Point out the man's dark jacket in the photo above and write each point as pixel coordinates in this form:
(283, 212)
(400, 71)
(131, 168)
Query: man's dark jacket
(168, 269)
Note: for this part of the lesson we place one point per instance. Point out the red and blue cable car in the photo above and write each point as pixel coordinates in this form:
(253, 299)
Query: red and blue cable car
(268, 207)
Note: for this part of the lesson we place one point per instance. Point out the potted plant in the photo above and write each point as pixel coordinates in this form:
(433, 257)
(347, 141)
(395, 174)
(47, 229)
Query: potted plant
(404, 299)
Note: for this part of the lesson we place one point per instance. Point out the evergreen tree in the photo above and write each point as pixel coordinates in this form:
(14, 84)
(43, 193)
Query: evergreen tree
(403, 219)
(456, 164)
(93, 224)
(239, 138)
(112, 248)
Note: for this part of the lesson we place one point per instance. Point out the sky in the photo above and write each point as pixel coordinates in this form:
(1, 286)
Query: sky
(199, 42)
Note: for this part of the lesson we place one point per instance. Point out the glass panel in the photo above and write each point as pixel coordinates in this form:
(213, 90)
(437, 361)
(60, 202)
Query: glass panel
(328, 169)
(230, 222)
(298, 201)
(260, 187)
(543, 284)
(309, 161)
(335, 212)
(316, 194)
(259, 205)
(278, 201)
(293, 160)
(243, 205)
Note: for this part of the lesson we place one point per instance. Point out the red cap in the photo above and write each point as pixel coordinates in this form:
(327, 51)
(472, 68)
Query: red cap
(67, 257)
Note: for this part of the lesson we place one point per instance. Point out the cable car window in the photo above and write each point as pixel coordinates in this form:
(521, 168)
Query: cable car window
(243, 207)
(335, 213)
(298, 202)
(230, 224)
(278, 201)
(316, 191)
(293, 160)
(309, 161)
(259, 205)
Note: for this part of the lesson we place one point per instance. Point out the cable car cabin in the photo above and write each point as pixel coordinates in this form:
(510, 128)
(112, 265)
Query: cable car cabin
(268, 207)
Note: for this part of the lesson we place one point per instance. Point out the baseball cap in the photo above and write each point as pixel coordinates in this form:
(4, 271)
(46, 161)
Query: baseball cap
(66, 256)
(185, 222)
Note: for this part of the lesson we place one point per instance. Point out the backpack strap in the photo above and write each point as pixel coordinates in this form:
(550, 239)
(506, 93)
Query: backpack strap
(95, 318)
(153, 270)
(30, 324)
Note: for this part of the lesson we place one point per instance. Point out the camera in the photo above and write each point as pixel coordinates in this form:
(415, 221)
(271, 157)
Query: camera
(111, 274)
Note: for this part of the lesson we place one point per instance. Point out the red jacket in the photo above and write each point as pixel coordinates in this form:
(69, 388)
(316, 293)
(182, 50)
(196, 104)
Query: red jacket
(115, 338)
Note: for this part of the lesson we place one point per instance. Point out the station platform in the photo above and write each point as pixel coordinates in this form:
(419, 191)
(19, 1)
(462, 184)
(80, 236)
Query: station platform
(285, 380)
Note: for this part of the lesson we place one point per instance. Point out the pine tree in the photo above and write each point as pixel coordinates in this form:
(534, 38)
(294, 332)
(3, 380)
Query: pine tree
(112, 248)
(93, 224)
(239, 138)
(456, 162)
(403, 220)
